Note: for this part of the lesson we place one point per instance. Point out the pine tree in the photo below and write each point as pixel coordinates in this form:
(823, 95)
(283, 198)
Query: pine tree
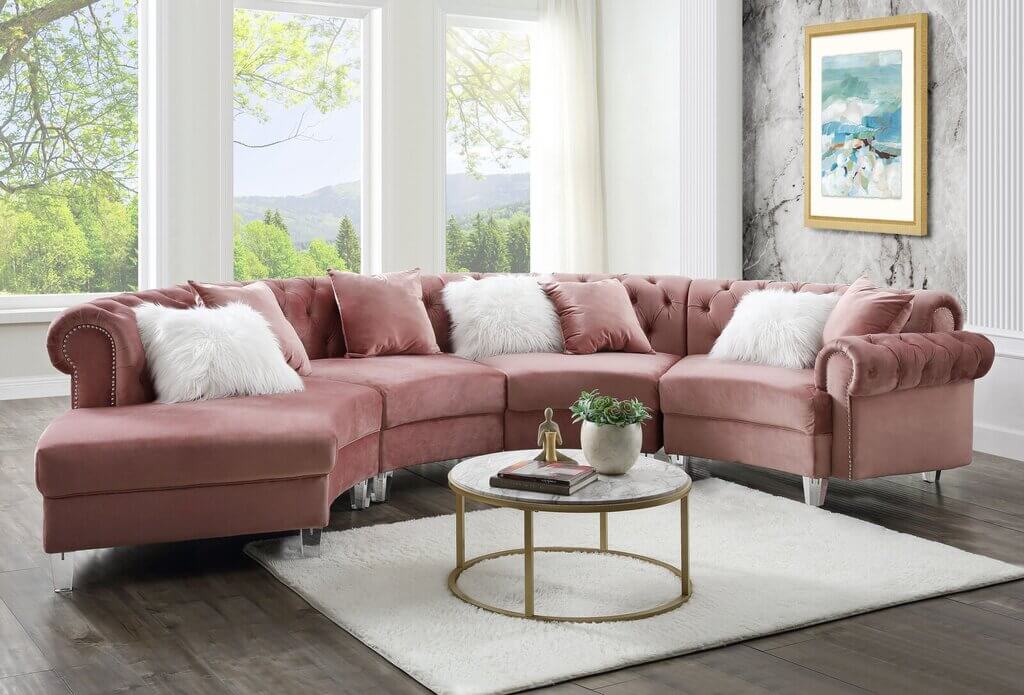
(455, 246)
(347, 244)
(487, 252)
(517, 233)
(273, 217)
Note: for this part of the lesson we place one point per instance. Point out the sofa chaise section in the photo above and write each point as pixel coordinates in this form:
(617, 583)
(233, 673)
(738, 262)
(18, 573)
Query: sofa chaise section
(154, 472)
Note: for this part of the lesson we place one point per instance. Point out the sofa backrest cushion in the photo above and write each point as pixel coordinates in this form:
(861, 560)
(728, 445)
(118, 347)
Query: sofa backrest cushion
(712, 302)
(658, 300)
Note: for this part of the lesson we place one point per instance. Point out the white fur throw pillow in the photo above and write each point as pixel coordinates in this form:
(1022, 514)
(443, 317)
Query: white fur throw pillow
(201, 353)
(776, 327)
(501, 316)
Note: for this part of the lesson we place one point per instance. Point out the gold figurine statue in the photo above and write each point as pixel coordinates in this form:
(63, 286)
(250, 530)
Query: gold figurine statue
(549, 436)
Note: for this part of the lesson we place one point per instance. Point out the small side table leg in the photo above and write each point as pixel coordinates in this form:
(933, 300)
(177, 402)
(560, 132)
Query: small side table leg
(528, 561)
(460, 530)
(604, 530)
(684, 544)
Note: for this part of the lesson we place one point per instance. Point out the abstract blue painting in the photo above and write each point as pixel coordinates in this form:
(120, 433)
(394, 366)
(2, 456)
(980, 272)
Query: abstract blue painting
(861, 119)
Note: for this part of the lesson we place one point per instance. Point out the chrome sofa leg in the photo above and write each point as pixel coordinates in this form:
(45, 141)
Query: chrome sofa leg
(310, 541)
(814, 491)
(931, 476)
(361, 495)
(380, 486)
(62, 570)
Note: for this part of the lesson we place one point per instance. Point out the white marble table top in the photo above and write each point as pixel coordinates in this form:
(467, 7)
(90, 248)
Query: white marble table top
(648, 479)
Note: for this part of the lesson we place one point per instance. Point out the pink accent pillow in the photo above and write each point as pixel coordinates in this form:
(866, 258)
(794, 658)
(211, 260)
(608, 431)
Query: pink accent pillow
(260, 297)
(383, 314)
(597, 317)
(864, 309)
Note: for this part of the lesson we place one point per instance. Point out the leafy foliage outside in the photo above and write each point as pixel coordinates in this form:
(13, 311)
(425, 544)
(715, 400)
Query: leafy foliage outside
(68, 146)
(488, 120)
(605, 410)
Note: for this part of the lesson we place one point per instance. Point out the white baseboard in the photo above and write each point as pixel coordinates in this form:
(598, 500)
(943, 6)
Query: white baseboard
(1000, 441)
(34, 387)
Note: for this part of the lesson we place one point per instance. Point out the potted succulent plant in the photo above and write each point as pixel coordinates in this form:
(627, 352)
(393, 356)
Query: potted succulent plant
(611, 435)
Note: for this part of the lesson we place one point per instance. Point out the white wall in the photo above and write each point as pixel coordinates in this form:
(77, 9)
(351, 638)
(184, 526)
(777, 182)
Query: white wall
(671, 113)
(638, 73)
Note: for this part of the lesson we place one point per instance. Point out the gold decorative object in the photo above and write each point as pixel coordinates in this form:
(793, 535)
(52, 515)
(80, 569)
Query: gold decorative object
(549, 436)
(866, 125)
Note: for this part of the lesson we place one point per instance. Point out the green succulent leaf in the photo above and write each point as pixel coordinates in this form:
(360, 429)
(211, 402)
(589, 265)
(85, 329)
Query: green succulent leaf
(591, 406)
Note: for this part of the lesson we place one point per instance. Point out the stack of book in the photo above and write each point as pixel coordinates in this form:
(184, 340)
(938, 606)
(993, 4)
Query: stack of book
(559, 478)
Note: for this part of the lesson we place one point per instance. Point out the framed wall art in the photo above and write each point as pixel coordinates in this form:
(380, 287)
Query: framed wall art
(866, 125)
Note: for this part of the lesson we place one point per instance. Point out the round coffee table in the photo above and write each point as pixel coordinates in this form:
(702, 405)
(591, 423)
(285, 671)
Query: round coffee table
(649, 483)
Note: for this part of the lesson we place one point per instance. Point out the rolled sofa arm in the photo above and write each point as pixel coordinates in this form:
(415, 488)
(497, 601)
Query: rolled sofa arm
(871, 365)
(98, 344)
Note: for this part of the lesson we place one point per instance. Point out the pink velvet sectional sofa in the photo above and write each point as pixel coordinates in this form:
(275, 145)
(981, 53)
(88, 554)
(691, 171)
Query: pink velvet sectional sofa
(121, 469)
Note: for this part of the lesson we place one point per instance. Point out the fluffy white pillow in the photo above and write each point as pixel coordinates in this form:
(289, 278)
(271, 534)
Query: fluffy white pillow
(201, 353)
(776, 327)
(501, 316)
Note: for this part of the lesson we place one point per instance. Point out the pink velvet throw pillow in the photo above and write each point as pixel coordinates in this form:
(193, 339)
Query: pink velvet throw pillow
(260, 298)
(597, 317)
(865, 309)
(383, 314)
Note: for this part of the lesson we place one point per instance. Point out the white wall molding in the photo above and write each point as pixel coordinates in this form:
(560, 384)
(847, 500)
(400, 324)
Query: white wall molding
(711, 139)
(995, 218)
(12, 388)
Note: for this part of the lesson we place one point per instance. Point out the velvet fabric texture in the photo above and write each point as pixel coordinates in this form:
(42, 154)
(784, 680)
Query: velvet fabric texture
(700, 386)
(383, 314)
(597, 317)
(541, 380)
(422, 387)
(217, 442)
(864, 309)
(259, 296)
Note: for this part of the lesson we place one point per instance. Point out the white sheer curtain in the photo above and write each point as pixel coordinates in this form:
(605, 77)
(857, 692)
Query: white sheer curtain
(566, 189)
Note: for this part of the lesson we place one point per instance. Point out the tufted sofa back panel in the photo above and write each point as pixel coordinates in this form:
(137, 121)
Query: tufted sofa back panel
(711, 304)
(659, 302)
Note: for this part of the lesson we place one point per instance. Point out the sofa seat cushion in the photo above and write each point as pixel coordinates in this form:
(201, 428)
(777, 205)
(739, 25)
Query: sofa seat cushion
(157, 446)
(422, 387)
(740, 391)
(541, 380)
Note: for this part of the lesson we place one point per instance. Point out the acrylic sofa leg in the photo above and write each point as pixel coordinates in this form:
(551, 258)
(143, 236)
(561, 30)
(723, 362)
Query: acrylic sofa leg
(380, 486)
(62, 570)
(361, 495)
(680, 460)
(310, 541)
(814, 491)
(931, 476)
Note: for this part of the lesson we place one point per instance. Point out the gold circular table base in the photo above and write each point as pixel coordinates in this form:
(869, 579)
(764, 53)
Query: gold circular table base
(453, 586)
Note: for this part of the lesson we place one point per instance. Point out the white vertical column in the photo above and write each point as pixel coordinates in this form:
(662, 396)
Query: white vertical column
(711, 139)
(995, 215)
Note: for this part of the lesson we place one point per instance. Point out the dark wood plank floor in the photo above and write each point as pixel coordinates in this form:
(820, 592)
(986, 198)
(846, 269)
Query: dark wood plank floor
(200, 617)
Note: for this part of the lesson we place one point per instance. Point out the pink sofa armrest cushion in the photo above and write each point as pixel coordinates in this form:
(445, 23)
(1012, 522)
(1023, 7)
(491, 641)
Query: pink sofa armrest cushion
(883, 363)
(98, 344)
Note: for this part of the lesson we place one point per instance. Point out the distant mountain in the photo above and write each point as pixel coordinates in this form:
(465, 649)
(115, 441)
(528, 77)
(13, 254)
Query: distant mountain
(316, 214)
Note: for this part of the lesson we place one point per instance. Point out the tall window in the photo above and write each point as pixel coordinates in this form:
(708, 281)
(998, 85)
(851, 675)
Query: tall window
(297, 143)
(68, 146)
(488, 152)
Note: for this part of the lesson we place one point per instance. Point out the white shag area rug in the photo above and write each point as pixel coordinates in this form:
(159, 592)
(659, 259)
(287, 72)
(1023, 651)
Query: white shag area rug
(760, 564)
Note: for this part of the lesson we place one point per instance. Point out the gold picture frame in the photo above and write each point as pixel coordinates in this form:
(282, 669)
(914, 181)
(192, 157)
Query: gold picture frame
(813, 176)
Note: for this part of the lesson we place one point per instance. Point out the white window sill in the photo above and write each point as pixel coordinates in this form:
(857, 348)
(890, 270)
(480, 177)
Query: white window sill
(35, 315)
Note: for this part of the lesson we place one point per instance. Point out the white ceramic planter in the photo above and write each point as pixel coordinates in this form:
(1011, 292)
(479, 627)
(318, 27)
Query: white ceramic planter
(609, 449)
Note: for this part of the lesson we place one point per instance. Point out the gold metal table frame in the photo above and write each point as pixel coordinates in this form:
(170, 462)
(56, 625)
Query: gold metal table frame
(528, 550)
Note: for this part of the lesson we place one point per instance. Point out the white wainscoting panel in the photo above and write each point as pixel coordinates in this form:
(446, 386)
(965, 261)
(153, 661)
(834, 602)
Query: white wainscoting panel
(995, 108)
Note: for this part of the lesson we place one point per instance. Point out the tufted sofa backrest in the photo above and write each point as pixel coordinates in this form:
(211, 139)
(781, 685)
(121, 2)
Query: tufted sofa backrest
(711, 304)
(659, 302)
